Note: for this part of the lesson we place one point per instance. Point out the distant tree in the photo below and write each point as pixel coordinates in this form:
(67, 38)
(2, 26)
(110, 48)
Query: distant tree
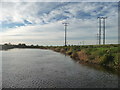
(9, 43)
(37, 45)
(19, 44)
(23, 44)
(32, 45)
(5, 44)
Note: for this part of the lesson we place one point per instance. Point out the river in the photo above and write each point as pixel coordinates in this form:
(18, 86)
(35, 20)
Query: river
(37, 68)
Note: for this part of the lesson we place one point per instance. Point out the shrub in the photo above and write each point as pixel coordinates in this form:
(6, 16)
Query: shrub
(106, 59)
(69, 52)
(62, 50)
(74, 55)
(116, 59)
(91, 57)
(57, 49)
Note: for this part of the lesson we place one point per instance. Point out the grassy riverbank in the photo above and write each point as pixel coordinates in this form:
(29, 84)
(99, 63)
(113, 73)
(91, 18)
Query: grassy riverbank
(105, 55)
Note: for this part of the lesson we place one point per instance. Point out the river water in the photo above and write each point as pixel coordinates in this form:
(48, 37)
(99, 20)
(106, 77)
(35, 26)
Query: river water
(36, 68)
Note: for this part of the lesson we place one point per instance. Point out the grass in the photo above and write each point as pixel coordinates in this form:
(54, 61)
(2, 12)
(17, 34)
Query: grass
(106, 55)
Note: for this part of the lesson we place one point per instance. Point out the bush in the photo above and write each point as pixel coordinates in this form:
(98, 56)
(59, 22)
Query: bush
(116, 59)
(63, 50)
(57, 49)
(74, 55)
(69, 52)
(106, 59)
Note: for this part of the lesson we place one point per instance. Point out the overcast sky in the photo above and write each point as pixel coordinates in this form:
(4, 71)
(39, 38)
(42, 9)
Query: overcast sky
(41, 22)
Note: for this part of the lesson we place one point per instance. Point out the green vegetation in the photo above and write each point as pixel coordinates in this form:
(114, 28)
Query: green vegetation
(105, 55)
(20, 45)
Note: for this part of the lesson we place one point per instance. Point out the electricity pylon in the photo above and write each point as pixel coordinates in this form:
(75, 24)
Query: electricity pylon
(65, 24)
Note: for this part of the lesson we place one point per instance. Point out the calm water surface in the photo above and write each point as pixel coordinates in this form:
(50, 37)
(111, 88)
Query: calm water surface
(36, 68)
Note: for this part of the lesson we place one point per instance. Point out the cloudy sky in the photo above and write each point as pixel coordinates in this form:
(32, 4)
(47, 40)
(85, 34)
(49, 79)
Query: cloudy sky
(41, 22)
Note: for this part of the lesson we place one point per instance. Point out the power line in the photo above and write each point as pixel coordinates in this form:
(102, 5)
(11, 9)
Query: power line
(99, 29)
(104, 29)
(97, 38)
(102, 18)
(65, 24)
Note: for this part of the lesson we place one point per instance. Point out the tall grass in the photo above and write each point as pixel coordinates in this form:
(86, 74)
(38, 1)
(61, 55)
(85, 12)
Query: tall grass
(107, 55)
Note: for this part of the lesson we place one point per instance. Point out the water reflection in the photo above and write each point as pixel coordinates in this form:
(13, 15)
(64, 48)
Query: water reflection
(96, 66)
(102, 68)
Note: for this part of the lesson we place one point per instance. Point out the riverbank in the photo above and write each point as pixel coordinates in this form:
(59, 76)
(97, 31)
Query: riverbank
(105, 55)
